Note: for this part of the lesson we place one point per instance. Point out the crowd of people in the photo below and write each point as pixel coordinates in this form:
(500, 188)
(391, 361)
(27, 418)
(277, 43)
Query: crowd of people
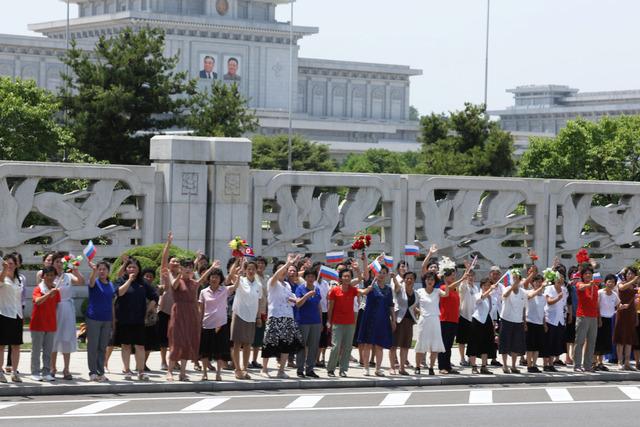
(194, 312)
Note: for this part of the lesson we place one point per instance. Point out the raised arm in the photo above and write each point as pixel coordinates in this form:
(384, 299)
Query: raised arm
(164, 261)
(625, 286)
(535, 293)
(43, 298)
(432, 250)
(77, 278)
(554, 301)
(125, 287)
(300, 301)
(123, 262)
(281, 273)
(94, 274)
(215, 264)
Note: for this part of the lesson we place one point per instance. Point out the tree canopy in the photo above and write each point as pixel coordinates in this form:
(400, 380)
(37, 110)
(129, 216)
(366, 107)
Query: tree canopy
(122, 92)
(271, 153)
(28, 129)
(465, 143)
(221, 111)
(606, 150)
(380, 161)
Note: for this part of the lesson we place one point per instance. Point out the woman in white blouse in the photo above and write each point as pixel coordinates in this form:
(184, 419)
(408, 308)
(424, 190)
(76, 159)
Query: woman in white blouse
(482, 337)
(554, 318)
(10, 314)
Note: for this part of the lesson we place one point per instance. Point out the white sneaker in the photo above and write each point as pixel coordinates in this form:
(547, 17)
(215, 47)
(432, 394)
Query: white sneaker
(36, 377)
(93, 377)
(49, 377)
(366, 372)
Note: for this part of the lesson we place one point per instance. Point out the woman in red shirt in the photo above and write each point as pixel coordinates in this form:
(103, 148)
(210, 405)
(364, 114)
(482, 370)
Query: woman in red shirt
(586, 321)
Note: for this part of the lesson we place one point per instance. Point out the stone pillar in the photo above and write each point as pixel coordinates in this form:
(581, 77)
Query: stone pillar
(229, 184)
(181, 162)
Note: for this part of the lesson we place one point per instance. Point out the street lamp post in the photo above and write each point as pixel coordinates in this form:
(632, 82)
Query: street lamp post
(486, 58)
(290, 141)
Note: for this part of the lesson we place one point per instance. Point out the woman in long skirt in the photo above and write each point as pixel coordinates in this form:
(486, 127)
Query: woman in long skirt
(624, 334)
(65, 340)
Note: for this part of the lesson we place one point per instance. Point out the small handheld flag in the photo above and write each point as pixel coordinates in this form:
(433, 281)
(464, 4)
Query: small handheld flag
(507, 279)
(90, 251)
(388, 261)
(328, 273)
(597, 278)
(375, 267)
(248, 252)
(335, 257)
(411, 250)
(474, 262)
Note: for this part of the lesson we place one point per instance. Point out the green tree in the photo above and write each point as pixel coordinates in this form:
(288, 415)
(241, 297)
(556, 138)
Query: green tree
(271, 153)
(122, 92)
(28, 129)
(606, 150)
(414, 114)
(465, 143)
(379, 161)
(221, 111)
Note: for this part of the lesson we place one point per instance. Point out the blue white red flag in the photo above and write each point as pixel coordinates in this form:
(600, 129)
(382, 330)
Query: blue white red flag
(388, 261)
(375, 267)
(335, 257)
(329, 273)
(411, 250)
(90, 251)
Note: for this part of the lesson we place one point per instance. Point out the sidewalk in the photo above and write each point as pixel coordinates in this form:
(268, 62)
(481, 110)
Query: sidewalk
(157, 384)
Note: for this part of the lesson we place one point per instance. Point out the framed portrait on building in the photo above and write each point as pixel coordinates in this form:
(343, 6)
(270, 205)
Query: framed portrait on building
(232, 66)
(208, 67)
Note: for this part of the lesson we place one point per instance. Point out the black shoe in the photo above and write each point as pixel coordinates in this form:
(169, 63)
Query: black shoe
(311, 374)
(431, 372)
(552, 369)
(343, 374)
(496, 363)
(416, 371)
(331, 374)
(454, 372)
(321, 365)
(547, 368)
(301, 374)
(533, 370)
(559, 363)
(146, 368)
(255, 365)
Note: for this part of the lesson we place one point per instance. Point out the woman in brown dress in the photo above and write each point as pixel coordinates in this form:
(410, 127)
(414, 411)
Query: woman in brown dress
(624, 334)
(184, 326)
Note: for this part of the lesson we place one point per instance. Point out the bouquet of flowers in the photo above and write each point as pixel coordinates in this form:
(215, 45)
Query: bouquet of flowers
(238, 246)
(550, 275)
(70, 263)
(361, 241)
(446, 264)
(533, 256)
(582, 256)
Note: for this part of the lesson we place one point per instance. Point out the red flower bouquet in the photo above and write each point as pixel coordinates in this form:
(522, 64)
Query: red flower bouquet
(238, 246)
(361, 241)
(582, 256)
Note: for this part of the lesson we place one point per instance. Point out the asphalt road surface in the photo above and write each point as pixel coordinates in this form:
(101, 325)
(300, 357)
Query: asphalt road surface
(567, 404)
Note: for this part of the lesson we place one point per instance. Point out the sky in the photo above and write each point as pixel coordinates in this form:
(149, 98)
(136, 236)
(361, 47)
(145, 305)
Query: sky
(585, 44)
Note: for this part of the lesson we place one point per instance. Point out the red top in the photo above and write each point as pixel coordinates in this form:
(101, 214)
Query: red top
(342, 305)
(587, 301)
(450, 306)
(43, 316)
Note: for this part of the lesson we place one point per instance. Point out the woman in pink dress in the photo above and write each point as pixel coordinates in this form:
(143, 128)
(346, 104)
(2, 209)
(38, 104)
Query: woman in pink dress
(184, 326)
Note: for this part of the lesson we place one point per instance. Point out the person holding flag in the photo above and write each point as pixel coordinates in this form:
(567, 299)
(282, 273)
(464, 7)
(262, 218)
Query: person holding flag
(378, 321)
(99, 316)
(586, 321)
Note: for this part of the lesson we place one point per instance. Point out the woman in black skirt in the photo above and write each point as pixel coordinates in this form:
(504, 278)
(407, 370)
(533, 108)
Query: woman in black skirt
(608, 303)
(482, 339)
(10, 314)
(214, 335)
(556, 297)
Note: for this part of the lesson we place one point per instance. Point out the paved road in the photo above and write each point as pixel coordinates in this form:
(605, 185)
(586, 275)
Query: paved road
(521, 405)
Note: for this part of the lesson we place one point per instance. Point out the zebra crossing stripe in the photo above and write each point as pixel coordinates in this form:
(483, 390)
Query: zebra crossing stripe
(206, 404)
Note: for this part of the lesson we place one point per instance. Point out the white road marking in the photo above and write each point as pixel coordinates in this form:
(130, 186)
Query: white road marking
(7, 405)
(480, 396)
(395, 399)
(632, 392)
(559, 394)
(94, 408)
(349, 408)
(308, 401)
(206, 404)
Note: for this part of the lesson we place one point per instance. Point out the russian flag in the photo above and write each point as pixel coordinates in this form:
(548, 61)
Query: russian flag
(329, 273)
(375, 267)
(597, 278)
(388, 261)
(90, 251)
(620, 277)
(411, 250)
(507, 279)
(335, 257)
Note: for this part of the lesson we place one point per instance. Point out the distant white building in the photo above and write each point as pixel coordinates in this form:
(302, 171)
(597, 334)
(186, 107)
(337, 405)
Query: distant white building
(241, 41)
(542, 110)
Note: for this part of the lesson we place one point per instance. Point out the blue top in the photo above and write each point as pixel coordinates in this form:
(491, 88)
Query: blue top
(309, 312)
(375, 326)
(101, 301)
(131, 307)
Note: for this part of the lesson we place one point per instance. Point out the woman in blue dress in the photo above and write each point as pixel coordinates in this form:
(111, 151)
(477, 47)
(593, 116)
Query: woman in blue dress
(378, 323)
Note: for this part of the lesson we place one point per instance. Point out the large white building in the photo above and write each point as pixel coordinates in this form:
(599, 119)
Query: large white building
(543, 110)
(363, 104)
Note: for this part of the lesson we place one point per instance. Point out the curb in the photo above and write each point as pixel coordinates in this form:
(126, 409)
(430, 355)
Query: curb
(299, 384)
